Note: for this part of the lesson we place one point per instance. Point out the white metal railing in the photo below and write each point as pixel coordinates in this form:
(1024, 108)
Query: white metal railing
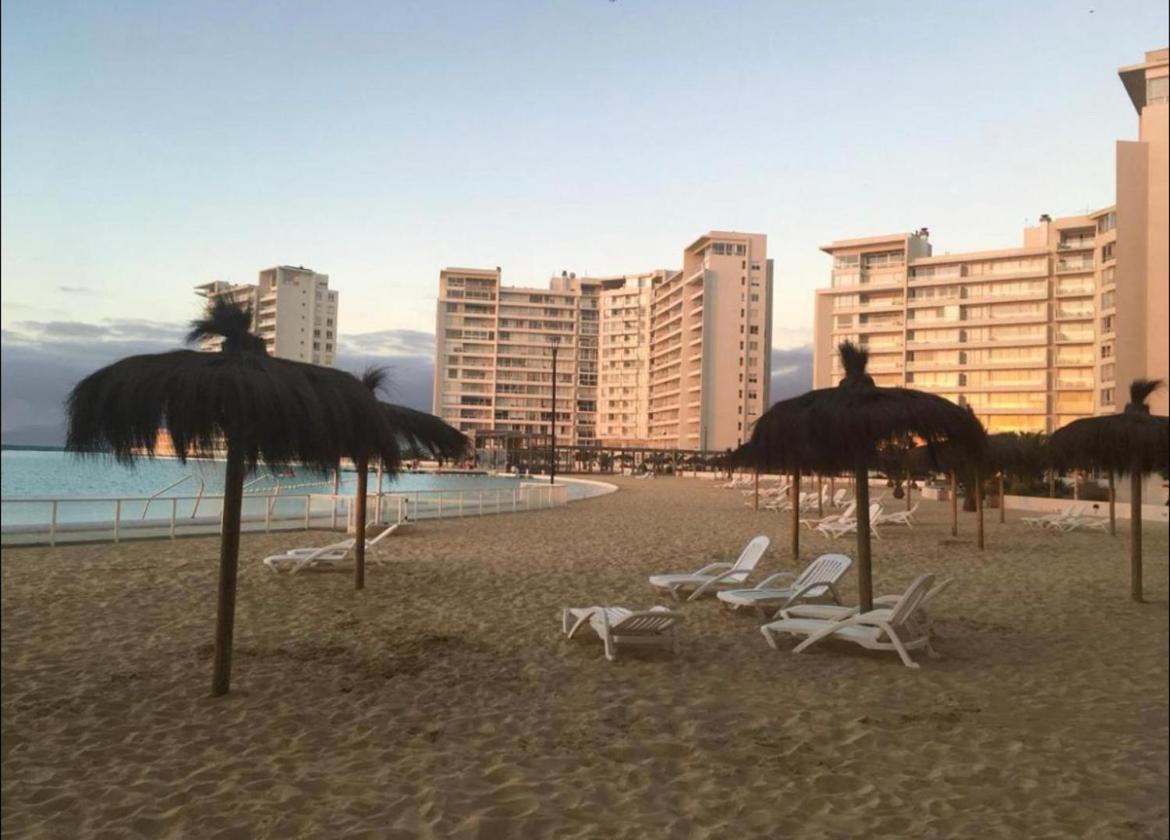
(102, 518)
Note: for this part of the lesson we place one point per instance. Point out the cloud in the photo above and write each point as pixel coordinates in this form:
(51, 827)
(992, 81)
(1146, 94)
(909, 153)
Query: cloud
(41, 361)
(791, 372)
(76, 290)
(391, 343)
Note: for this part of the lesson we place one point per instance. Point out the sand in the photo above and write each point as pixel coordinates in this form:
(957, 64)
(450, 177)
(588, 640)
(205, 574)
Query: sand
(442, 701)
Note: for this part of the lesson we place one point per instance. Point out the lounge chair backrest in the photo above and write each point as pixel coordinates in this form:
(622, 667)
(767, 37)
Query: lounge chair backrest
(933, 593)
(911, 600)
(828, 568)
(839, 496)
(850, 509)
(875, 510)
(751, 555)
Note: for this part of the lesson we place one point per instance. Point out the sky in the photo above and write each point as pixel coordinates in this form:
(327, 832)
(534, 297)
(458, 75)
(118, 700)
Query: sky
(150, 147)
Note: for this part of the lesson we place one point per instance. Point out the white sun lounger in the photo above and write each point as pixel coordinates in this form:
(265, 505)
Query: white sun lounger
(714, 576)
(897, 628)
(898, 517)
(836, 613)
(818, 580)
(832, 517)
(298, 559)
(841, 527)
(619, 626)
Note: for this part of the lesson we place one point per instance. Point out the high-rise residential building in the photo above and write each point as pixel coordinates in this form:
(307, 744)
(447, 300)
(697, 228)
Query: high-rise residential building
(1139, 293)
(1030, 337)
(710, 343)
(293, 310)
(619, 340)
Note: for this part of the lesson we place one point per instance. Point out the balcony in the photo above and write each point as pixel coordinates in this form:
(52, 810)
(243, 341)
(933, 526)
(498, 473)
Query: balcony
(1064, 266)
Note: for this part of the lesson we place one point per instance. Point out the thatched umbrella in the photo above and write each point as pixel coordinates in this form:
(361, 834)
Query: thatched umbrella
(420, 431)
(1133, 442)
(840, 429)
(262, 409)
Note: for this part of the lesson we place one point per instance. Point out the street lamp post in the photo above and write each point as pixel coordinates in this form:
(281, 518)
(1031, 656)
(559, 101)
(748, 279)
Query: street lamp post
(552, 449)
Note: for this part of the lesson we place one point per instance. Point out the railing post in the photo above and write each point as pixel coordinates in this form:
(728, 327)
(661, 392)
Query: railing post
(309, 508)
(174, 513)
(117, 518)
(53, 525)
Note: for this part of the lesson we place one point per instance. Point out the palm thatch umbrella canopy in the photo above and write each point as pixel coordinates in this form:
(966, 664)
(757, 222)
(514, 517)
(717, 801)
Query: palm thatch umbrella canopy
(840, 429)
(1133, 442)
(261, 408)
(420, 431)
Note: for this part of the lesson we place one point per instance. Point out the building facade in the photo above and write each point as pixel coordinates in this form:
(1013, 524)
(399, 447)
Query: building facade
(1030, 337)
(293, 310)
(625, 345)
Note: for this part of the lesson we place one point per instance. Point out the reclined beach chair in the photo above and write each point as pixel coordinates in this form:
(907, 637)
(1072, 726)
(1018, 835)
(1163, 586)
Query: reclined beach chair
(843, 526)
(898, 517)
(714, 576)
(836, 613)
(818, 580)
(897, 628)
(298, 559)
(1051, 519)
(619, 626)
(846, 514)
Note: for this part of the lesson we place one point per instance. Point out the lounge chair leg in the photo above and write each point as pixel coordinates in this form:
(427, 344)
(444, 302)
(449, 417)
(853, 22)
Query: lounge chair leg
(902, 652)
(769, 638)
(610, 651)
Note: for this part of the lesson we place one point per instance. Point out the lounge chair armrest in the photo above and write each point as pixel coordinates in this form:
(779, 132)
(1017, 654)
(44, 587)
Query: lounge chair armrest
(719, 578)
(710, 568)
(770, 579)
(804, 590)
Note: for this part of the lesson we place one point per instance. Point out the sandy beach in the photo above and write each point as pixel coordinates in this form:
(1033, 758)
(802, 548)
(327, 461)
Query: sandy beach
(443, 702)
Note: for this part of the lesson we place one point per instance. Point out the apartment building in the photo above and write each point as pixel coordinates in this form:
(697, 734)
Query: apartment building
(710, 344)
(293, 310)
(1028, 337)
(494, 351)
(1135, 298)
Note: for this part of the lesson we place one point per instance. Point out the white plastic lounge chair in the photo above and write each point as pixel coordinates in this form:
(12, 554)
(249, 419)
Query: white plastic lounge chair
(619, 626)
(714, 576)
(897, 628)
(899, 517)
(303, 558)
(839, 498)
(836, 613)
(1051, 519)
(818, 580)
(298, 559)
(832, 517)
(841, 527)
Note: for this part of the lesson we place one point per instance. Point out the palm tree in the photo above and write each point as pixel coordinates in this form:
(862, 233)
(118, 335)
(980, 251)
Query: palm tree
(840, 429)
(1132, 442)
(416, 429)
(261, 408)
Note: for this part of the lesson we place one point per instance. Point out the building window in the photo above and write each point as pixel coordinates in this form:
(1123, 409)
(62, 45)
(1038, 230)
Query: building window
(1107, 251)
(1106, 396)
(1106, 351)
(1107, 324)
(1157, 90)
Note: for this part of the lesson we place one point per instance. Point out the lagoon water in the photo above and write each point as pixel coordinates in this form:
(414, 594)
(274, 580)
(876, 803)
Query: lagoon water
(57, 474)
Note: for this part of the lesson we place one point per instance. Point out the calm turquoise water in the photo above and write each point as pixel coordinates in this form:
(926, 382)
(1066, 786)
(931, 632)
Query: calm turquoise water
(25, 473)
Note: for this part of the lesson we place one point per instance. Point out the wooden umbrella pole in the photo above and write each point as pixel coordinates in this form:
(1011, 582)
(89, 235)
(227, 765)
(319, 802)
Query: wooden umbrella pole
(954, 505)
(359, 536)
(796, 518)
(1112, 506)
(909, 492)
(229, 556)
(756, 498)
(832, 486)
(864, 570)
(1002, 506)
(1135, 533)
(820, 497)
(979, 509)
